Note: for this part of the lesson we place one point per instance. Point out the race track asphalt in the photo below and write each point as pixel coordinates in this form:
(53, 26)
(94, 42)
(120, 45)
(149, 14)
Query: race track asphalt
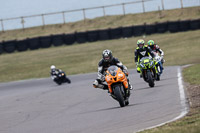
(41, 106)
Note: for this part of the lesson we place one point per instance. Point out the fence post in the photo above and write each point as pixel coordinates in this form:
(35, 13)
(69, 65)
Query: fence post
(104, 12)
(2, 25)
(43, 22)
(84, 14)
(143, 6)
(160, 13)
(22, 22)
(163, 8)
(123, 6)
(63, 17)
(181, 4)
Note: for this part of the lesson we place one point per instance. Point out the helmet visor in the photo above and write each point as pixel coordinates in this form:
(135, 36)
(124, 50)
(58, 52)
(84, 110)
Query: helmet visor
(107, 58)
(140, 45)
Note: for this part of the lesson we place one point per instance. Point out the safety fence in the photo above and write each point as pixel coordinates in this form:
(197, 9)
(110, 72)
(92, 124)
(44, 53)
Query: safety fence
(138, 6)
(98, 35)
(42, 19)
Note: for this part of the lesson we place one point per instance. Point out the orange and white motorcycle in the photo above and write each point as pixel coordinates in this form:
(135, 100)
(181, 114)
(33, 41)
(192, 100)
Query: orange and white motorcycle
(118, 85)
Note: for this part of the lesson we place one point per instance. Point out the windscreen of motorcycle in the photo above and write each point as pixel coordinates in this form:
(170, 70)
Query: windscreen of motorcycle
(113, 70)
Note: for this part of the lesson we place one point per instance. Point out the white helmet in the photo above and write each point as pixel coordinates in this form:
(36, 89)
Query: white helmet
(53, 67)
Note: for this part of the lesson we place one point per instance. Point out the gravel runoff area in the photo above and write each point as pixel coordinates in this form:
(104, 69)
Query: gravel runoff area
(193, 93)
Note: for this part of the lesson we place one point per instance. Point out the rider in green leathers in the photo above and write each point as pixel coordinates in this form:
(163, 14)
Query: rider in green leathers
(141, 51)
(157, 49)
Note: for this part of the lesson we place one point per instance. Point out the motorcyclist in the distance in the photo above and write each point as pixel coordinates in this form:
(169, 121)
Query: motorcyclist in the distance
(156, 49)
(103, 65)
(141, 51)
(54, 71)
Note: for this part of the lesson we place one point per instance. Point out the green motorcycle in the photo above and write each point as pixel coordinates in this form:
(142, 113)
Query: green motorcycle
(148, 69)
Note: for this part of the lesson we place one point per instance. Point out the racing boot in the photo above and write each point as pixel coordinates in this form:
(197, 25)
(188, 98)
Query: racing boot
(97, 84)
(129, 85)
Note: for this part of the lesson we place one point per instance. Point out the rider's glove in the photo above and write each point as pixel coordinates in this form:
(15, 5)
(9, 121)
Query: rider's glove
(136, 64)
(102, 78)
(154, 60)
(53, 77)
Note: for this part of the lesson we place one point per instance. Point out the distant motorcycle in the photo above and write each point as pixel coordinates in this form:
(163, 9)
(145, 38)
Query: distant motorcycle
(148, 69)
(60, 77)
(118, 85)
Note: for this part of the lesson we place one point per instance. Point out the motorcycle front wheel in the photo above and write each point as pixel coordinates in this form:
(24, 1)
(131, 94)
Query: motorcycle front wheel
(150, 79)
(119, 96)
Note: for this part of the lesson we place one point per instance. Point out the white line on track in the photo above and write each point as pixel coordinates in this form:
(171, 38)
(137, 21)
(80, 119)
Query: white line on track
(184, 105)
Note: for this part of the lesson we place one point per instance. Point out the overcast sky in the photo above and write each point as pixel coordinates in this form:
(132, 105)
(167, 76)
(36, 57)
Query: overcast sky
(16, 8)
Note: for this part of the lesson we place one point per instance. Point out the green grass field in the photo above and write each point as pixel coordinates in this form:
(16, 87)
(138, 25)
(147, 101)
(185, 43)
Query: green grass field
(192, 74)
(104, 22)
(180, 48)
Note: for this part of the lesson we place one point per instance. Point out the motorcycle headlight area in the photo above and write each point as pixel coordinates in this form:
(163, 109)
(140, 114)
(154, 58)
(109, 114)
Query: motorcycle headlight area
(120, 75)
(113, 73)
(142, 65)
(151, 63)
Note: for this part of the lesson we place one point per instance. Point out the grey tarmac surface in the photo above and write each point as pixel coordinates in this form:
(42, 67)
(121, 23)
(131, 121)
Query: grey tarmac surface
(41, 106)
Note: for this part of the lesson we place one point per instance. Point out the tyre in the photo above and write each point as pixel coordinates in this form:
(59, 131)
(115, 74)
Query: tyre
(119, 96)
(162, 27)
(92, 36)
(173, 26)
(33, 43)
(9, 46)
(1, 48)
(59, 82)
(81, 37)
(126, 102)
(138, 30)
(45, 42)
(127, 31)
(116, 33)
(68, 80)
(184, 25)
(69, 39)
(104, 34)
(57, 40)
(150, 29)
(22, 45)
(195, 24)
(158, 77)
(150, 79)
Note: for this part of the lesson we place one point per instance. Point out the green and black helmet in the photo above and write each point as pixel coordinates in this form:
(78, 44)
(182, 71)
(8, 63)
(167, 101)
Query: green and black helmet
(140, 43)
(150, 43)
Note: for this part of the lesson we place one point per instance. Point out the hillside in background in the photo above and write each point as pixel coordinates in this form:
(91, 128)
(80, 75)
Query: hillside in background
(103, 22)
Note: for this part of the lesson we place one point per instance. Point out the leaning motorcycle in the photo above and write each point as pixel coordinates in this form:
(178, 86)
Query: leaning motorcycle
(118, 85)
(148, 69)
(60, 78)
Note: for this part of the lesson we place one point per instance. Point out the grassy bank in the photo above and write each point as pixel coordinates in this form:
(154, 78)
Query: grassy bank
(190, 123)
(192, 74)
(180, 48)
(104, 22)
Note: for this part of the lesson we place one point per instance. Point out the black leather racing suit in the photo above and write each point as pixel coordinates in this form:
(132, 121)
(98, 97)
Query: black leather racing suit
(54, 73)
(103, 66)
